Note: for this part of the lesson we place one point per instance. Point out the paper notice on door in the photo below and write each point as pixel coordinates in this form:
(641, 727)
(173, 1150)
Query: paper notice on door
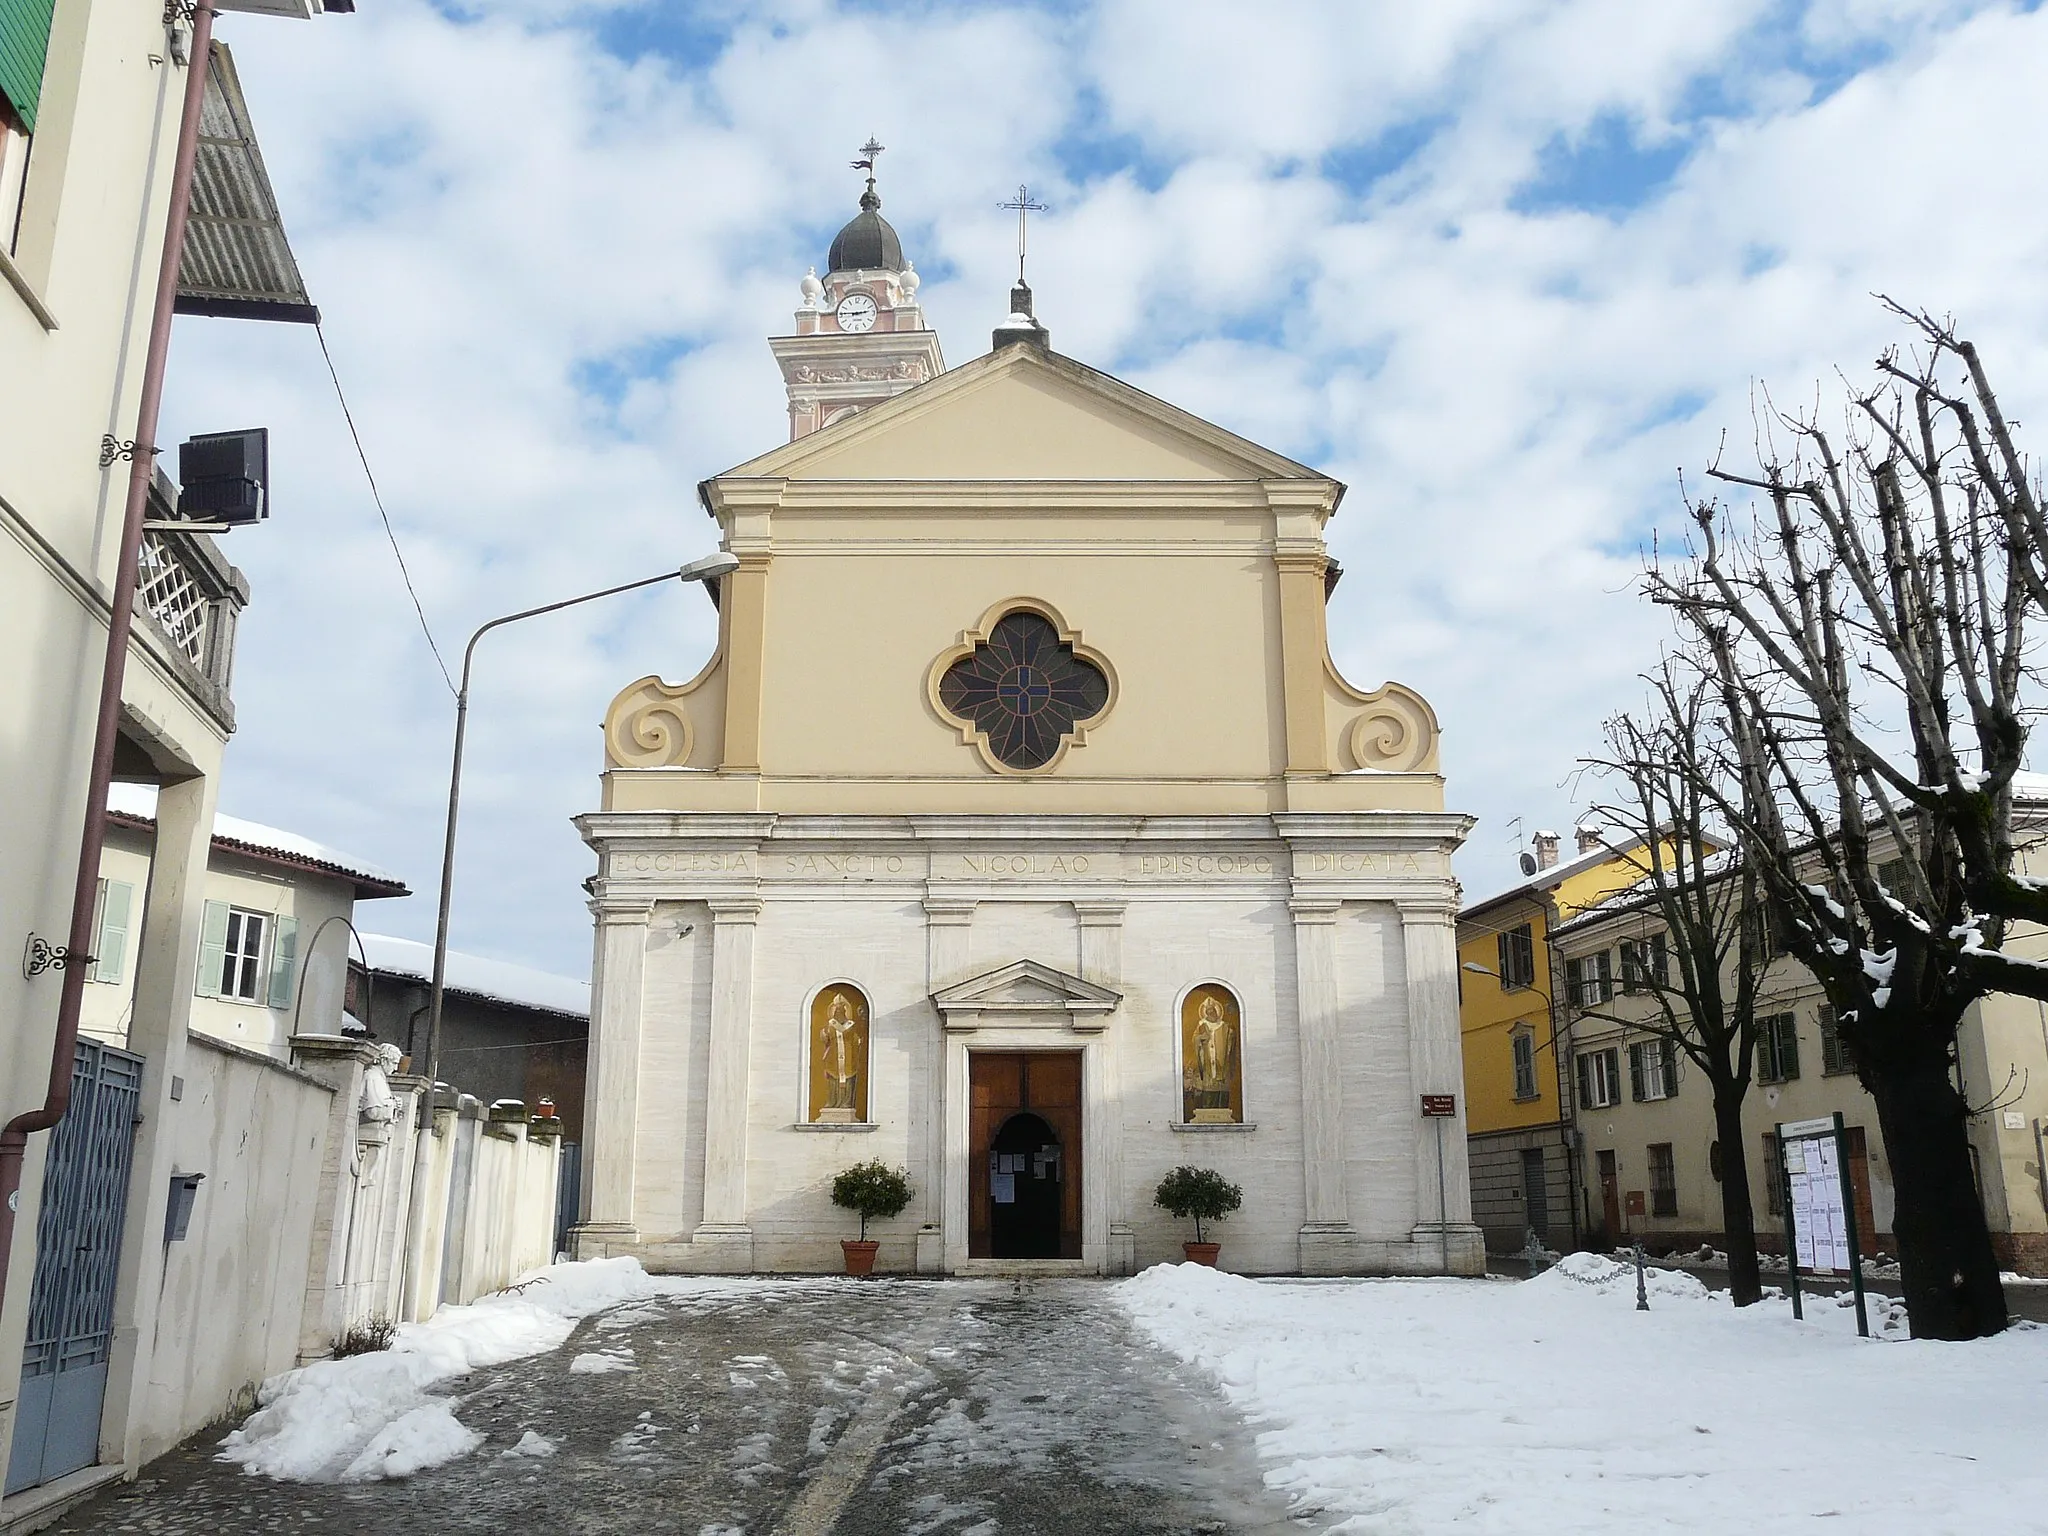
(1003, 1186)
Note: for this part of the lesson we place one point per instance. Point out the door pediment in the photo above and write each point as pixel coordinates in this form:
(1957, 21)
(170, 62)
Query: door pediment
(1029, 994)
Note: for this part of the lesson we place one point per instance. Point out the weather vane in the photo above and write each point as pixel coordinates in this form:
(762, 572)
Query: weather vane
(1025, 208)
(866, 163)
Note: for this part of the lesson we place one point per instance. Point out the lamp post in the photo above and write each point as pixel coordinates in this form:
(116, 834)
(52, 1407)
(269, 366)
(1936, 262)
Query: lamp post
(417, 1304)
(1563, 1086)
(709, 568)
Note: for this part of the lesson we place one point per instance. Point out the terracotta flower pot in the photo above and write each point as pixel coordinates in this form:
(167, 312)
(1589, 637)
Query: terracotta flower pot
(1202, 1253)
(860, 1257)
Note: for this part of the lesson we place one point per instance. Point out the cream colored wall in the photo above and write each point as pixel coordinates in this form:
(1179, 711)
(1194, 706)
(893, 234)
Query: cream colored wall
(1191, 561)
(69, 363)
(322, 969)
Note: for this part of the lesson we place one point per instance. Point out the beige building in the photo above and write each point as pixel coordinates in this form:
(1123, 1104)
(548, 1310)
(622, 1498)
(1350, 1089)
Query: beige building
(275, 934)
(90, 99)
(1645, 1118)
(1020, 832)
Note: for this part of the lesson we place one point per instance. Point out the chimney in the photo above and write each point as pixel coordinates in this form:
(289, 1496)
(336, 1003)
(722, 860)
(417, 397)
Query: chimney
(1589, 837)
(1545, 844)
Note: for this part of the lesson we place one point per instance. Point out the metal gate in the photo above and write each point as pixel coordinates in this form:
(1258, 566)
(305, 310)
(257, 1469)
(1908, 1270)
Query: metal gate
(78, 1254)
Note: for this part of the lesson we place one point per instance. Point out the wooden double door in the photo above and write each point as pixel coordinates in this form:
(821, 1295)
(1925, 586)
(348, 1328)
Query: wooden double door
(1024, 1155)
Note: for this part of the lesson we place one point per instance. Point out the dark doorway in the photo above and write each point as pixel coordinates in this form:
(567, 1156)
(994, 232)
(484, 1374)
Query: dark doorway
(1024, 1130)
(1024, 1190)
(1610, 1197)
(1535, 1194)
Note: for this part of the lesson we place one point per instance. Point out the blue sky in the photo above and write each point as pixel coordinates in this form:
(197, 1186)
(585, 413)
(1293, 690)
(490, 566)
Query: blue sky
(1503, 267)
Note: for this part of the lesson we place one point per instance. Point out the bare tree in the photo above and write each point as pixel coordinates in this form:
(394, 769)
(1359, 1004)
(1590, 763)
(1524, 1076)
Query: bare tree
(1868, 637)
(1702, 963)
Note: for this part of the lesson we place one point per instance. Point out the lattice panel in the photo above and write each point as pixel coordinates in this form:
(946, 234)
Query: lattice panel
(166, 589)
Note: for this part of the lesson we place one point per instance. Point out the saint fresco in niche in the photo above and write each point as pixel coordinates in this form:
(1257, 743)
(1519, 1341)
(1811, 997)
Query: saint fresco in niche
(1212, 1066)
(839, 1057)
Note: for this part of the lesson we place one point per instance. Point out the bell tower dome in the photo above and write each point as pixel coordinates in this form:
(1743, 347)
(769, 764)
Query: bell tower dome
(860, 336)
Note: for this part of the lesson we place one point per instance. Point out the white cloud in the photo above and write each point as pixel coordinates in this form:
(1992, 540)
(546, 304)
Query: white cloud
(549, 272)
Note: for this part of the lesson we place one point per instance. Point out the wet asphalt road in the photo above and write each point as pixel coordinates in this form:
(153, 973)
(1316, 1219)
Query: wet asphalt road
(943, 1408)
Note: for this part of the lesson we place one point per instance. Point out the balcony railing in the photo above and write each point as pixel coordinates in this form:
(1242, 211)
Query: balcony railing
(192, 597)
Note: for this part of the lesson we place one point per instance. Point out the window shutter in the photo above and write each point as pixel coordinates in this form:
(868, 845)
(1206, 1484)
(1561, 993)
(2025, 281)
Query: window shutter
(1586, 1083)
(117, 906)
(1788, 1046)
(1660, 959)
(1501, 964)
(1605, 961)
(213, 948)
(1670, 1051)
(1635, 1073)
(284, 960)
(24, 47)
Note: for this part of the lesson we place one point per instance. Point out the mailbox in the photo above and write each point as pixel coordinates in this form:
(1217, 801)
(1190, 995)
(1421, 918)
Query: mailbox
(178, 1211)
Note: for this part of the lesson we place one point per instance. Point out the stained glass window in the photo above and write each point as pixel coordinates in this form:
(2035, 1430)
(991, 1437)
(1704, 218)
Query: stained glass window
(1024, 689)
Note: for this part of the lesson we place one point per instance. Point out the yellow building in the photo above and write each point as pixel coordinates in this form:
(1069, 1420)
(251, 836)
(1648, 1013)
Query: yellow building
(1518, 1125)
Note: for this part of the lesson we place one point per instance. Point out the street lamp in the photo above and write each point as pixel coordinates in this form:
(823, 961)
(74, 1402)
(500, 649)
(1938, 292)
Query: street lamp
(709, 568)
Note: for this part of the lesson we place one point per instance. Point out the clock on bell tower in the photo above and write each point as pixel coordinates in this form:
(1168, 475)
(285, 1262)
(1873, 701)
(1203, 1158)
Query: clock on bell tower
(860, 335)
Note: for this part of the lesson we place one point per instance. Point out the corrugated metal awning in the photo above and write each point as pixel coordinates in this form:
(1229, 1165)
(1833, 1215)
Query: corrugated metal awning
(236, 261)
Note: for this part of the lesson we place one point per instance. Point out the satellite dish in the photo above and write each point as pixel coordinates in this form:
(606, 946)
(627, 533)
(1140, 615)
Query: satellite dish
(1528, 863)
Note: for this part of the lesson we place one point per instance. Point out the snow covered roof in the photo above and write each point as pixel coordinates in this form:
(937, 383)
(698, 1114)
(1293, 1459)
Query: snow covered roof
(1545, 879)
(137, 803)
(497, 981)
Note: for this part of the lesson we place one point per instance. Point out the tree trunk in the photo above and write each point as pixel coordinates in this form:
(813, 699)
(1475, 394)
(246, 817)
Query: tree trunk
(1946, 1266)
(1738, 1216)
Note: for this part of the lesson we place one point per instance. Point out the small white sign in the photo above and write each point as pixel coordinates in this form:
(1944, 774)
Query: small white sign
(1823, 1126)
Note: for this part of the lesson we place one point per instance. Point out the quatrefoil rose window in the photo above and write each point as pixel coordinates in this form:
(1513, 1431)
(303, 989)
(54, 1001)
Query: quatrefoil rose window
(1022, 690)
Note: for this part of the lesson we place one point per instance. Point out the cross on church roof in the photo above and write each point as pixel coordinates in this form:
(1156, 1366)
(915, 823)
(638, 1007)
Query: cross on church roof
(1025, 208)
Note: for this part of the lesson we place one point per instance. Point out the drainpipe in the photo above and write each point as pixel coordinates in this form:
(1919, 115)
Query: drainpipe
(14, 1137)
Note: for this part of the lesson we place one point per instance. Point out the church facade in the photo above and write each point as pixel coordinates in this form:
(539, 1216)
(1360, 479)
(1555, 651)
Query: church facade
(1022, 834)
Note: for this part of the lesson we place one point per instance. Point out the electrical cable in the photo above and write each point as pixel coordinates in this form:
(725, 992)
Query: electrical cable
(378, 498)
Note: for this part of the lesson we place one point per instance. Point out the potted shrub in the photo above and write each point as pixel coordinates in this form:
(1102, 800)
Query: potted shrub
(871, 1190)
(1204, 1194)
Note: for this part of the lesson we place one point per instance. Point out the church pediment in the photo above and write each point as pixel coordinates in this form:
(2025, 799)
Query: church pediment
(1023, 413)
(1025, 991)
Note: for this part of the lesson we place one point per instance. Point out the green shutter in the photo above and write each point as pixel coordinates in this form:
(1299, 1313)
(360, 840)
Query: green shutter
(117, 906)
(213, 948)
(1635, 1073)
(1670, 1068)
(284, 962)
(1585, 1083)
(1788, 1046)
(24, 45)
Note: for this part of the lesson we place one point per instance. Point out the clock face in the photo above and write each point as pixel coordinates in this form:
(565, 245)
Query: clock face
(856, 312)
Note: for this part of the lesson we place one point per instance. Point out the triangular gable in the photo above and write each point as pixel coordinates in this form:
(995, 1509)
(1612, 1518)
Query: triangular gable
(1023, 413)
(1026, 986)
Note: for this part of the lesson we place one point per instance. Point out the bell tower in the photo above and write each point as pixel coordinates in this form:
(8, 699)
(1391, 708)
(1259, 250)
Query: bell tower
(860, 335)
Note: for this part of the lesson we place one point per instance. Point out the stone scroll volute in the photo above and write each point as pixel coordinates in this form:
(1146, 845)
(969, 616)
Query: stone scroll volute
(1396, 732)
(648, 726)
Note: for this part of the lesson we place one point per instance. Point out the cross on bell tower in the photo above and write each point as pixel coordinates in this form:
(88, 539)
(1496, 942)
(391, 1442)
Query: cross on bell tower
(861, 335)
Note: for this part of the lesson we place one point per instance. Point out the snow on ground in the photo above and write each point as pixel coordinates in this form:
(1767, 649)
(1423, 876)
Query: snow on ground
(371, 1416)
(1397, 1406)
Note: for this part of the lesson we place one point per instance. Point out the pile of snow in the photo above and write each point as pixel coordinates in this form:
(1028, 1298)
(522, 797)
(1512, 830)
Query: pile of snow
(1554, 1405)
(371, 1416)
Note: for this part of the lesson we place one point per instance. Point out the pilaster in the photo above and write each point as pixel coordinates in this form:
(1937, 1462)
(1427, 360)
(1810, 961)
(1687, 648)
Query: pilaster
(725, 1225)
(1322, 1100)
(1102, 962)
(1436, 1066)
(612, 1108)
(166, 976)
(949, 928)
